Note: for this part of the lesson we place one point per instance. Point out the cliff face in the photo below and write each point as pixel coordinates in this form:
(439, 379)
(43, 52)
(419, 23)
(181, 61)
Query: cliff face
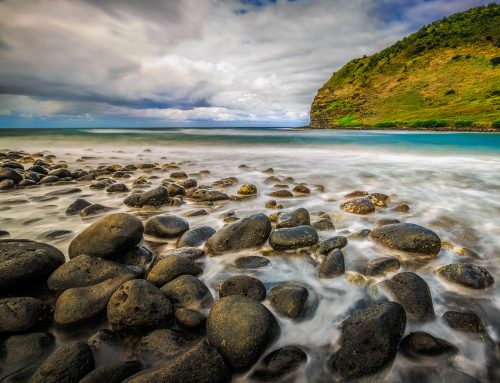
(445, 75)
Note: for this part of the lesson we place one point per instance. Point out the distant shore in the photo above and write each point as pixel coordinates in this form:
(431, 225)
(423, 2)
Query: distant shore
(409, 129)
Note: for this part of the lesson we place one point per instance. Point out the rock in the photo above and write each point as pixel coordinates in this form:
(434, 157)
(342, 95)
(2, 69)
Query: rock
(201, 364)
(196, 237)
(387, 221)
(189, 318)
(209, 195)
(467, 275)
(186, 252)
(283, 193)
(94, 209)
(358, 206)
(25, 182)
(330, 244)
(26, 263)
(103, 340)
(467, 253)
(117, 188)
(419, 345)
(69, 363)
(381, 266)
(332, 264)
(241, 329)
(162, 344)
(61, 173)
(196, 213)
(301, 189)
(323, 224)
(248, 232)
(154, 197)
(407, 237)
(293, 237)
(139, 304)
(113, 373)
(243, 285)
(251, 262)
(175, 190)
(413, 293)
(137, 256)
(108, 237)
(248, 189)
(4, 233)
(12, 165)
(52, 235)
(77, 305)
(464, 321)
(189, 183)
(294, 218)
(21, 375)
(65, 191)
(361, 234)
(280, 363)
(272, 204)
(166, 226)
(289, 299)
(49, 179)
(170, 267)
(7, 184)
(188, 291)
(401, 208)
(369, 341)
(77, 206)
(179, 175)
(357, 193)
(85, 271)
(24, 348)
(10, 174)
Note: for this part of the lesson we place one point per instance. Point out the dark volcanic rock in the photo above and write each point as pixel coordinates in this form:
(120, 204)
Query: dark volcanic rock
(381, 266)
(25, 348)
(358, 206)
(25, 263)
(166, 226)
(413, 293)
(67, 364)
(248, 232)
(241, 329)
(113, 373)
(251, 262)
(21, 314)
(162, 344)
(170, 267)
(186, 252)
(196, 237)
(293, 237)
(280, 363)
(188, 291)
(289, 299)
(323, 224)
(464, 321)
(77, 206)
(419, 344)
(189, 318)
(139, 304)
(243, 285)
(467, 275)
(327, 245)
(294, 218)
(103, 340)
(209, 195)
(407, 237)
(137, 256)
(369, 340)
(154, 197)
(201, 364)
(108, 237)
(332, 264)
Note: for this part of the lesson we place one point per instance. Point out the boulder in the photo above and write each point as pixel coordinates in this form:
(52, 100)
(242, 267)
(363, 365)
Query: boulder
(294, 218)
(170, 267)
(189, 318)
(162, 344)
(358, 206)
(464, 321)
(419, 345)
(381, 266)
(243, 285)
(327, 245)
(208, 195)
(188, 291)
(293, 237)
(289, 299)
(136, 256)
(196, 237)
(251, 262)
(113, 373)
(166, 226)
(19, 349)
(154, 197)
(332, 264)
(280, 363)
(22, 314)
(77, 206)
(10, 174)
(467, 275)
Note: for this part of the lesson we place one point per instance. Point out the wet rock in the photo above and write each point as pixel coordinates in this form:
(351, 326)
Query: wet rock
(356, 193)
(49, 179)
(7, 184)
(61, 173)
(201, 364)
(407, 237)
(369, 340)
(77, 206)
(467, 253)
(94, 209)
(189, 318)
(464, 321)
(4, 233)
(195, 237)
(52, 235)
(186, 252)
(170, 267)
(103, 340)
(301, 189)
(63, 192)
(419, 345)
(113, 373)
(294, 218)
(196, 213)
(85, 271)
(77, 305)
(166, 226)
(108, 237)
(387, 221)
(139, 304)
(248, 189)
(293, 237)
(330, 244)
(154, 197)
(379, 199)
(283, 193)
(188, 291)
(209, 195)
(413, 293)
(117, 188)
(26, 263)
(39, 169)
(27, 347)
(68, 363)
(332, 264)
(361, 234)
(12, 165)
(241, 329)
(272, 204)
(251, 262)
(243, 285)
(248, 232)
(323, 224)
(189, 183)
(289, 299)
(162, 344)
(381, 266)
(25, 182)
(10, 174)
(467, 275)
(137, 256)
(179, 175)
(401, 208)
(175, 190)
(358, 206)
(280, 363)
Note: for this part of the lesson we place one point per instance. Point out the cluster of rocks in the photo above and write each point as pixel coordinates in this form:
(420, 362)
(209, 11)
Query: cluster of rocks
(181, 331)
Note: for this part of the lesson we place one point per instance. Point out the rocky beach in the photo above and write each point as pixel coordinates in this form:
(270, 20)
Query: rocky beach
(216, 257)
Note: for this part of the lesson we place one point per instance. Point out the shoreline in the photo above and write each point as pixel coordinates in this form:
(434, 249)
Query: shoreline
(406, 129)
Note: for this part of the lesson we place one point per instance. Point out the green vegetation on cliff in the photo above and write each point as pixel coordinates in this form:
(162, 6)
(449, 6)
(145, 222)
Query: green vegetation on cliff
(446, 75)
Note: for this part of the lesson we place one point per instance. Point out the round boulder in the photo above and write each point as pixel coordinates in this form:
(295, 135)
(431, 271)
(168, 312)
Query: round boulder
(22, 314)
(166, 226)
(188, 291)
(293, 237)
(280, 363)
(418, 345)
(170, 267)
(358, 206)
(289, 299)
(467, 275)
(243, 285)
(294, 218)
(195, 237)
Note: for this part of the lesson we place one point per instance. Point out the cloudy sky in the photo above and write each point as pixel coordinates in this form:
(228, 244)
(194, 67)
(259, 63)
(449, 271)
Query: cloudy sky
(187, 62)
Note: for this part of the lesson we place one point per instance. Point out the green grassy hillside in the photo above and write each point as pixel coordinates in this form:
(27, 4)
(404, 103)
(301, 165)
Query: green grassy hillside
(446, 75)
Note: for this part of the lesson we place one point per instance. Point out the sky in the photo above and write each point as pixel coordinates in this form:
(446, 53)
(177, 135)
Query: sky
(174, 63)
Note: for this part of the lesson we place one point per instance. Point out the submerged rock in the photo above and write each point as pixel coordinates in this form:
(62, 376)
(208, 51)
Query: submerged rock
(154, 197)
(407, 237)
(77, 206)
(162, 344)
(289, 299)
(293, 237)
(25, 348)
(327, 245)
(241, 329)
(467, 275)
(166, 226)
(332, 264)
(243, 285)
(419, 345)
(294, 218)
(113, 373)
(251, 262)
(464, 321)
(280, 363)
(358, 206)
(248, 189)
(381, 266)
